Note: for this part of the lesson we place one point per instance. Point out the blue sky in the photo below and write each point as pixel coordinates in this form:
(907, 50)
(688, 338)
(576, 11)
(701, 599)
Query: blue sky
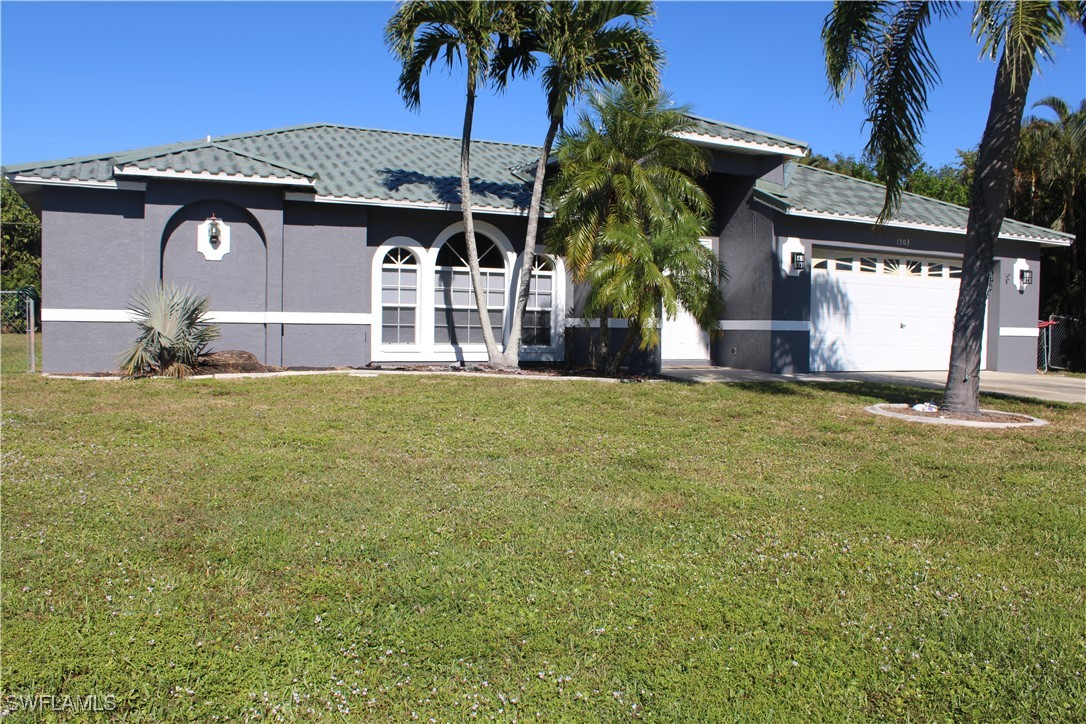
(88, 78)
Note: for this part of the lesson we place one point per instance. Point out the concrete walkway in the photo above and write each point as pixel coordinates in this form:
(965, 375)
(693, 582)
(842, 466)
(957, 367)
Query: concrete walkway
(1057, 388)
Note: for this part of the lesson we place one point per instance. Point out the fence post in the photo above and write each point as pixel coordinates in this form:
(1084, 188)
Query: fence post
(31, 317)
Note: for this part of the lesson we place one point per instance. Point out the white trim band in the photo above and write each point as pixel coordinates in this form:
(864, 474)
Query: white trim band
(52, 314)
(1019, 332)
(118, 185)
(202, 176)
(595, 323)
(764, 325)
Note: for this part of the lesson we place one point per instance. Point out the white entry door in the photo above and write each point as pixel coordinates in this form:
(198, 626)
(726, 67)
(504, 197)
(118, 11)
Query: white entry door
(681, 339)
(872, 312)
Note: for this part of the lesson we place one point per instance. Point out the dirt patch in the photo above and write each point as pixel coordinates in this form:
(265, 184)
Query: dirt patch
(982, 416)
(232, 361)
(985, 418)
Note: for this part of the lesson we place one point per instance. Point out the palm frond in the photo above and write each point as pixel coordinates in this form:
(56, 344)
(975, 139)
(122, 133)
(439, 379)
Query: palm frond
(173, 331)
(849, 33)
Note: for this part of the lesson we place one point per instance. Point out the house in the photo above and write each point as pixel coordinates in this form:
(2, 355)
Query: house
(327, 245)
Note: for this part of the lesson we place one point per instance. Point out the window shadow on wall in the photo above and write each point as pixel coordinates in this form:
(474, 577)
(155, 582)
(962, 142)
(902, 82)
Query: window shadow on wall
(829, 303)
(447, 188)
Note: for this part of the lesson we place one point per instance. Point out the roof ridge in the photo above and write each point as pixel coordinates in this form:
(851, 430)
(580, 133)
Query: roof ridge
(342, 126)
(309, 173)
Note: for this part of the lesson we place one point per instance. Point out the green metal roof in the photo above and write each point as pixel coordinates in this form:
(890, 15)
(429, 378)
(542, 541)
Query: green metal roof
(339, 161)
(397, 168)
(813, 191)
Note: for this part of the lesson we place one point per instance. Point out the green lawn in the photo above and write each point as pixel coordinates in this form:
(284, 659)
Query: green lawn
(454, 547)
(14, 353)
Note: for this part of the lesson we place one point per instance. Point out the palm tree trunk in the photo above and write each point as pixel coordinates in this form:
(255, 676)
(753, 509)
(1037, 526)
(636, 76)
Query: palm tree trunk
(602, 357)
(492, 352)
(987, 205)
(512, 347)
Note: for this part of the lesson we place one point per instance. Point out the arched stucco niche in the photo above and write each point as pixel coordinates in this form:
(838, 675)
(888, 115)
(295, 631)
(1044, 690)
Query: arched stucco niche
(237, 284)
(239, 281)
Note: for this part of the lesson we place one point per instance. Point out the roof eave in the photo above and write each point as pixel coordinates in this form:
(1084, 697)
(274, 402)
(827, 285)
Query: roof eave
(752, 148)
(788, 210)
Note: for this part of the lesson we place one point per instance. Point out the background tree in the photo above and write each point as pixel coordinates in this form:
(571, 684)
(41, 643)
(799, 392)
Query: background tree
(1050, 190)
(424, 32)
(20, 255)
(885, 44)
(629, 215)
(586, 45)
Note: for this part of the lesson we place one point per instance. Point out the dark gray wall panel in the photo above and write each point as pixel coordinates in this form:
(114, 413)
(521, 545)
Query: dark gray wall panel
(746, 248)
(746, 350)
(85, 346)
(424, 226)
(791, 352)
(326, 265)
(255, 338)
(93, 250)
(580, 341)
(325, 345)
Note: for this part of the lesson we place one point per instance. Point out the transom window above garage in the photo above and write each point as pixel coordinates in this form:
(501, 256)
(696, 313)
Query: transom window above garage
(837, 261)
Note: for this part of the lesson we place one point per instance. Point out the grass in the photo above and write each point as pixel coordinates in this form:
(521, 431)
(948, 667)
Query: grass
(452, 548)
(14, 355)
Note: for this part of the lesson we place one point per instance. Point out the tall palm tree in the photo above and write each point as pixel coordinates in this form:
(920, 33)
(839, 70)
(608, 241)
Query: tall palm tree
(885, 44)
(1051, 186)
(586, 45)
(629, 214)
(424, 32)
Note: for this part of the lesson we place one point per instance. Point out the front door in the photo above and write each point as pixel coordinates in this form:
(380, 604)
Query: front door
(681, 339)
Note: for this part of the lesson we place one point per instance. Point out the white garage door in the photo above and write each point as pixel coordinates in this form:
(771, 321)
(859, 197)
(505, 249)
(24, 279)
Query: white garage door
(881, 312)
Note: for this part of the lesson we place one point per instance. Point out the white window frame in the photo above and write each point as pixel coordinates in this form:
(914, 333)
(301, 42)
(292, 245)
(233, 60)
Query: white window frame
(380, 352)
(383, 263)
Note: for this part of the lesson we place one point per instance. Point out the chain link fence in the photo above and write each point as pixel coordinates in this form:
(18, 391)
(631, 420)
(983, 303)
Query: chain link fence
(20, 342)
(1062, 344)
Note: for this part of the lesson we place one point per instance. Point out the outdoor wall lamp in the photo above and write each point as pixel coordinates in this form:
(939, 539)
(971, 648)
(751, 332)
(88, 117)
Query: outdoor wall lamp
(799, 261)
(1025, 276)
(214, 232)
(213, 239)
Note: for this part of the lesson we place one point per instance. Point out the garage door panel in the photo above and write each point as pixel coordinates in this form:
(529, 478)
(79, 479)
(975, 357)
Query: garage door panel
(887, 314)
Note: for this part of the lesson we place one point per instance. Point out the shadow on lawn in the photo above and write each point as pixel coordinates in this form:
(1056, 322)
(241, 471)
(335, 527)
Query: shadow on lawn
(893, 394)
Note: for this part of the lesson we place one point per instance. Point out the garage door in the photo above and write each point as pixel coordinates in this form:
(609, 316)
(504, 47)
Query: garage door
(881, 312)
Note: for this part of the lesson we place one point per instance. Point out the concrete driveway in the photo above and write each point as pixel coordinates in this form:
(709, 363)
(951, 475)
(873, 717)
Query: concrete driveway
(1057, 388)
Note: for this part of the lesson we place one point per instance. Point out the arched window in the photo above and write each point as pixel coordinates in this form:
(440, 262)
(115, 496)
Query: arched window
(456, 319)
(399, 297)
(536, 331)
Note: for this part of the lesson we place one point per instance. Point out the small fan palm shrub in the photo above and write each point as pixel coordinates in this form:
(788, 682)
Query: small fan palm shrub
(173, 333)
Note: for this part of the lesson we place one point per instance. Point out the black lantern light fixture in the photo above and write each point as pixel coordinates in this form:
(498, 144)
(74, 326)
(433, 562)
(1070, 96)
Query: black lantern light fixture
(1025, 277)
(799, 261)
(214, 232)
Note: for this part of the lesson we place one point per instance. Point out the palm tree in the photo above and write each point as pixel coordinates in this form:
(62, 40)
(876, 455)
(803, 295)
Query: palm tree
(1050, 189)
(587, 45)
(629, 214)
(173, 332)
(885, 44)
(424, 32)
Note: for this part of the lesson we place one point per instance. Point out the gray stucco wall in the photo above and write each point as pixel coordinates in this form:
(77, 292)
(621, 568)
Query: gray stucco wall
(93, 256)
(293, 257)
